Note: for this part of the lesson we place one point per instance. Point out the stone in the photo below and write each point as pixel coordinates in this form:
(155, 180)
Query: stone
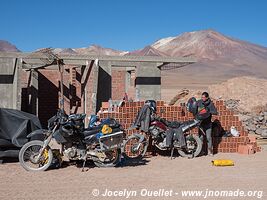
(261, 118)
(258, 131)
(252, 127)
(244, 118)
(264, 133)
(255, 122)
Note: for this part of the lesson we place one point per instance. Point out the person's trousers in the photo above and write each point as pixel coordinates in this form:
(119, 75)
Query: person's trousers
(207, 128)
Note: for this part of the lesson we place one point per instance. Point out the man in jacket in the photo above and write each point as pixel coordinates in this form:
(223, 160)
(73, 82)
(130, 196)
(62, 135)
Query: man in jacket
(206, 109)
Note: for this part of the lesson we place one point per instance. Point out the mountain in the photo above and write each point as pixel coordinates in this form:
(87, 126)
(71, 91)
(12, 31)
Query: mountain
(147, 51)
(7, 47)
(96, 49)
(68, 51)
(219, 58)
(211, 45)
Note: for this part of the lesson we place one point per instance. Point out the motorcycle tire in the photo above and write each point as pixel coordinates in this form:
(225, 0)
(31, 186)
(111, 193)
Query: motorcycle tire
(48, 156)
(197, 150)
(113, 163)
(139, 154)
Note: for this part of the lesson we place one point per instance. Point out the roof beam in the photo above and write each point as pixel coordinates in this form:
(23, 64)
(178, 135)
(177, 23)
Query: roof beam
(69, 57)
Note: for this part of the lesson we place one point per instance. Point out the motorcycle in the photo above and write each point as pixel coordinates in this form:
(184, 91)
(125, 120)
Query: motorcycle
(101, 144)
(136, 145)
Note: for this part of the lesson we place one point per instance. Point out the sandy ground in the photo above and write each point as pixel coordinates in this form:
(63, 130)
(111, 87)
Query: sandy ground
(155, 173)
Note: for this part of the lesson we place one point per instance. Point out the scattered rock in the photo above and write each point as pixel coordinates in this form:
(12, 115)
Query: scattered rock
(259, 131)
(252, 127)
(254, 124)
(232, 104)
(264, 133)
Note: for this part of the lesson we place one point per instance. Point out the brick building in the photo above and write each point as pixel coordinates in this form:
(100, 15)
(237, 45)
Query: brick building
(32, 81)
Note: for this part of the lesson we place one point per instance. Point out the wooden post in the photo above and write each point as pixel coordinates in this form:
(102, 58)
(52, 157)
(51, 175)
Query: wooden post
(61, 71)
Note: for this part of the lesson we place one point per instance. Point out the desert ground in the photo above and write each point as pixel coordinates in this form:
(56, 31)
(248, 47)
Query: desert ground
(153, 174)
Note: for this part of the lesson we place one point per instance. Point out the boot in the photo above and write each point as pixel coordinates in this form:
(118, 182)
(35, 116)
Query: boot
(210, 151)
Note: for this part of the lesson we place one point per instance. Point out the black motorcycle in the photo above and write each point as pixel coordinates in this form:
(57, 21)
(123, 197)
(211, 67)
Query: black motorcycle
(76, 141)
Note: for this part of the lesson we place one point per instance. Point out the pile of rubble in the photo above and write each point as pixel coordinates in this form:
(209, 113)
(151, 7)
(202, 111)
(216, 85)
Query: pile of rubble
(254, 123)
(232, 104)
(250, 91)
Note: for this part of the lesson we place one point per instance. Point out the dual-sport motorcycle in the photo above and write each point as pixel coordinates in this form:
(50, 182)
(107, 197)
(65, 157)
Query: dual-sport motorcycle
(101, 144)
(136, 145)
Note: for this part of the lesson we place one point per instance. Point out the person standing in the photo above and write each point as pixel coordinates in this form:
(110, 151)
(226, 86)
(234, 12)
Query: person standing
(206, 109)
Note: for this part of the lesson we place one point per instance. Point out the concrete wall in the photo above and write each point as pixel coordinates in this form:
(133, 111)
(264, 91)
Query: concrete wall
(9, 83)
(148, 82)
(84, 91)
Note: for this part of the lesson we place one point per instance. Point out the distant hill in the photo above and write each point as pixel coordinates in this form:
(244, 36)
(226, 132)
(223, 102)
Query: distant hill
(220, 58)
(7, 47)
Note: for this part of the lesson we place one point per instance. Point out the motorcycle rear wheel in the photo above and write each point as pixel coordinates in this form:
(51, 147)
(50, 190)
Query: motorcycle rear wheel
(191, 152)
(111, 160)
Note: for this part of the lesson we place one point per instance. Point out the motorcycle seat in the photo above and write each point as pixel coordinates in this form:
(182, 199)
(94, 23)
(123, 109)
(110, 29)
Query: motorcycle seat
(91, 131)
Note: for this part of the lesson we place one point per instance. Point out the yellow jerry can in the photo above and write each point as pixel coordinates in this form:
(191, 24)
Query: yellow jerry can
(222, 163)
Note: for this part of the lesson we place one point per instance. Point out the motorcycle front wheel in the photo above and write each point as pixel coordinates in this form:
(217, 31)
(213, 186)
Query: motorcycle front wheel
(28, 156)
(108, 158)
(133, 148)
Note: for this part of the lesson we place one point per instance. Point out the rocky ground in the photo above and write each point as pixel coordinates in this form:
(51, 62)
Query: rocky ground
(254, 123)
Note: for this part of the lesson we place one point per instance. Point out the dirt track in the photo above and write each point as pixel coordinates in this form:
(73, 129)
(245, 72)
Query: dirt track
(249, 173)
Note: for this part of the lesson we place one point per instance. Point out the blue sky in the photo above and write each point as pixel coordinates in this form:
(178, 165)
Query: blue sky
(123, 24)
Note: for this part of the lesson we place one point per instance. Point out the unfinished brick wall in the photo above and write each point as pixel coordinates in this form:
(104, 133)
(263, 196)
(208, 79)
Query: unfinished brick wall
(127, 114)
(118, 84)
(48, 94)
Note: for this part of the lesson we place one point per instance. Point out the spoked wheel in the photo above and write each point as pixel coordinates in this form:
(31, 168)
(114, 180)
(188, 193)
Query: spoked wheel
(108, 158)
(29, 153)
(194, 146)
(133, 149)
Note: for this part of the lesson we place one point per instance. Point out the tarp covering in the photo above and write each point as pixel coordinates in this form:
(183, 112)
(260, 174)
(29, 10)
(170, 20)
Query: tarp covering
(15, 125)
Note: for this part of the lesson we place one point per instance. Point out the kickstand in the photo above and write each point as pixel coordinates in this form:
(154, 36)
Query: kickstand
(192, 156)
(84, 161)
(172, 150)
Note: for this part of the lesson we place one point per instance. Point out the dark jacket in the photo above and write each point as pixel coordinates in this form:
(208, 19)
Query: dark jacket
(206, 110)
(143, 118)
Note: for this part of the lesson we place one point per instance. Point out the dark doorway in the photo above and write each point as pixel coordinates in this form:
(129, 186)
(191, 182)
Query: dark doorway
(48, 99)
(103, 88)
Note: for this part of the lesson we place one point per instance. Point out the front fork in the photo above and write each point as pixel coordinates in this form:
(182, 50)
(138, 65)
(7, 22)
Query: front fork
(141, 140)
(46, 143)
